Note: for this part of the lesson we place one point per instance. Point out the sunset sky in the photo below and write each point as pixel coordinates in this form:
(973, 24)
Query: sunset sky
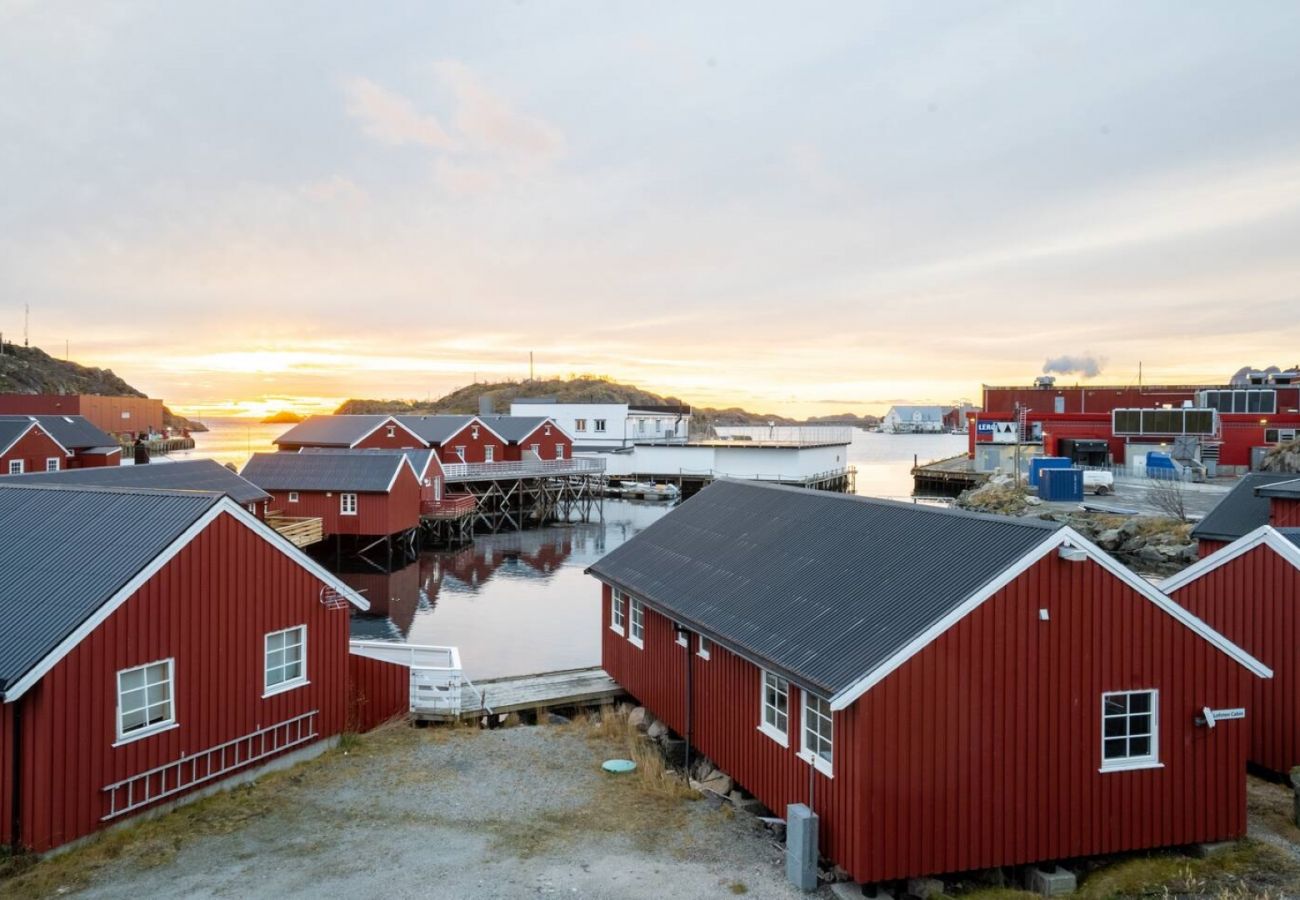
(797, 208)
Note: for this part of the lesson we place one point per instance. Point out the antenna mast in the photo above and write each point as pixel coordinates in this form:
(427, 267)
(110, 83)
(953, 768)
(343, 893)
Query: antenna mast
(27, 315)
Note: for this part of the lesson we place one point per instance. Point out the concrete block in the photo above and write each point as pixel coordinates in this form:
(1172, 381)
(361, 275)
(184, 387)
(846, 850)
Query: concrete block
(1214, 848)
(801, 846)
(924, 888)
(1055, 882)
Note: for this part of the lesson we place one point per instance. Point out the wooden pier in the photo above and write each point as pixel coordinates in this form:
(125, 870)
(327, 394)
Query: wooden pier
(512, 496)
(946, 477)
(545, 690)
(843, 481)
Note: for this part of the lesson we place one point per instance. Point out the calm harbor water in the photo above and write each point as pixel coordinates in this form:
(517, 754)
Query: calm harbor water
(518, 603)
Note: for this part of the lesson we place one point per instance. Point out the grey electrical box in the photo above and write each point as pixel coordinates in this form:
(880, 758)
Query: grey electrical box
(801, 846)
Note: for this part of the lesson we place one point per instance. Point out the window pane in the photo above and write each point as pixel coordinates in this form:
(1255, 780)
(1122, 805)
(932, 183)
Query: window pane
(293, 653)
(160, 713)
(1140, 724)
(1115, 748)
(1116, 727)
(128, 681)
(159, 693)
(1139, 746)
(1116, 705)
(132, 720)
(1138, 703)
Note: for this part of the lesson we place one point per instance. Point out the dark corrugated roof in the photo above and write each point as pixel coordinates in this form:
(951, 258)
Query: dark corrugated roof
(365, 472)
(1289, 489)
(824, 587)
(11, 430)
(1291, 534)
(67, 550)
(419, 459)
(1240, 511)
(73, 432)
(338, 431)
(514, 428)
(435, 429)
(184, 475)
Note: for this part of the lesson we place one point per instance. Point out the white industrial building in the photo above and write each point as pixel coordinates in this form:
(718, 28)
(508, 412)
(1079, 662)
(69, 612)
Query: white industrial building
(611, 426)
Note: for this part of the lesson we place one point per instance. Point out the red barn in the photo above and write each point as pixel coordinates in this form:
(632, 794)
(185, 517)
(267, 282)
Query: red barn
(532, 437)
(27, 447)
(1250, 591)
(153, 643)
(370, 494)
(1242, 510)
(88, 445)
(947, 691)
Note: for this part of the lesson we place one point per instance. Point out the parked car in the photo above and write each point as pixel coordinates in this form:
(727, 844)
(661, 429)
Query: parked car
(1099, 481)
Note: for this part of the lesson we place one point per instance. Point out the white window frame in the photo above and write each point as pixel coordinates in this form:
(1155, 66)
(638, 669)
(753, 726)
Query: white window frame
(52, 464)
(827, 719)
(270, 690)
(600, 425)
(1149, 760)
(617, 613)
(636, 623)
(473, 432)
(579, 424)
(15, 467)
(460, 451)
(559, 451)
(781, 687)
(392, 431)
(437, 489)
(293, 496)
(681, 634)
(347, 508)
(149, 728)
(489, 453)
(704, 648)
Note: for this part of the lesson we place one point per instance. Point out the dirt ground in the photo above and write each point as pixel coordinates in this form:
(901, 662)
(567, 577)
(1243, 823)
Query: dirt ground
(525, 812)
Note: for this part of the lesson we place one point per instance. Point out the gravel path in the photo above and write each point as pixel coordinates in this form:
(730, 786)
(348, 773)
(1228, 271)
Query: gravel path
(462, 813)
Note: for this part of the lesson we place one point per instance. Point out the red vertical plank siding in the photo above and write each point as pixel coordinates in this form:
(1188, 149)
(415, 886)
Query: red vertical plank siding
(6, 772)
(1204, 547)
(475, 447)
(208, 609)
(401, 440)
(983, 749)
(377, 692)
(33, 448)
(377, 513)
(546, 444)
(1252, 599)
(1284, 513)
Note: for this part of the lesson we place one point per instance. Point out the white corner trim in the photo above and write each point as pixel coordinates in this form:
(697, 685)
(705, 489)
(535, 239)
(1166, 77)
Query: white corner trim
(1064, 535)
(1264, 535)
(95, 619)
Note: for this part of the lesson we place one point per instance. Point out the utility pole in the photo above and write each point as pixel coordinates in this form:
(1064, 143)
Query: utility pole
(27, 315)
(530, 365)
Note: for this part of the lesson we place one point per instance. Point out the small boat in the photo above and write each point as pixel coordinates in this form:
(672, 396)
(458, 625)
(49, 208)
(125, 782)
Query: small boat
(644, 490)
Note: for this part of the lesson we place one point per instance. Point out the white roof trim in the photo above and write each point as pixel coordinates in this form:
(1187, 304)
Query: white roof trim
(106, 609)
(1066, 535)
(475, 420)
(28, 430)
(547, 420)
(393, 419)
(1263, 536)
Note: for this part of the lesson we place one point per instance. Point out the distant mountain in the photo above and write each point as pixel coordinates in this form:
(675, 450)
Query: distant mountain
(30, 370)
(583, 389)
(283, 417)
(847, 418)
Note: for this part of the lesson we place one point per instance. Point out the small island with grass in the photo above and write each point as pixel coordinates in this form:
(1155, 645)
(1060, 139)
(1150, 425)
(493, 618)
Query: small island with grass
(283, 417)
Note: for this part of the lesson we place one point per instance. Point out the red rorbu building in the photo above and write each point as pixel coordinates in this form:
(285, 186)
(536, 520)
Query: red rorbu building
(370, 494)
(27, 447)
(193, 645)
(946, 691)
(1250, 591)
(89, 446)
(1242, 510)
(531, 437)
(459, 439)
(456, 438)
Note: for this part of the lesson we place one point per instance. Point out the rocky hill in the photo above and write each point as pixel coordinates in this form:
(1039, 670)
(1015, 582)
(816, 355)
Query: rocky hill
(30, 370)
(583, 389)
(1282, 458)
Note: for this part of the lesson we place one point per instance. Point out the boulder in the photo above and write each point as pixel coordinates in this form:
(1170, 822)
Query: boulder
(656, 730)
(719, 784)
(640, 718)
(1110, 539)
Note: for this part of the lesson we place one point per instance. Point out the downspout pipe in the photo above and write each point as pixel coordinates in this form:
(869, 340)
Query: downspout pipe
(690, 670)
(15, 774)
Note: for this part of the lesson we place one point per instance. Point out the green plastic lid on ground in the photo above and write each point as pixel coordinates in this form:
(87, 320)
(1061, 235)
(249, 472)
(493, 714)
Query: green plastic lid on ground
(618, 766)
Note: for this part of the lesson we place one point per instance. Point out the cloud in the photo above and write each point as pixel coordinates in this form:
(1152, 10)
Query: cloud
(391, 118)
(491, 124)
(1086, 366)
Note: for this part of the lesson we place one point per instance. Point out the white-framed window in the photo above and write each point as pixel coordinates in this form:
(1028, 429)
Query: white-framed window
(559, 451)
(1130, 729)
(775, 699)
(546, 429)
(52, 464)
(579, 424)
(617, 612)
(636, 622)
(392, 431)
(460, 451)
(15, 467)
(293, 496)
(473, 432)
(681, 634)
(489, 453)
(536, 449)
(144, 700)
(286, 660)
(818, 732)
(705, 649)
(437, 489)
(600, 424)
(347, 504)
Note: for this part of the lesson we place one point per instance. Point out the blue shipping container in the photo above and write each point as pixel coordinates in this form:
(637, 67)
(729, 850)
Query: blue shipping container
(1162, 466)
(1039, 463)
(1061, 485)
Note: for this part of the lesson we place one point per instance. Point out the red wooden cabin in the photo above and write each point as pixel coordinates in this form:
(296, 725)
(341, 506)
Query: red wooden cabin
(1283, 503)
(369, 432)
(1250, 591)
(532, 437)
(947, 691)
(88, 445)
(459, 439)
(27, 447)
(193, 628)
(1242, 510)
(371, 494)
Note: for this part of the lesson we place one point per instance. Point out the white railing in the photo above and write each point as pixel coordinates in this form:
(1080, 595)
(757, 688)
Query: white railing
(787, 434)
(524, 469)
(190, 771)
(436, 674)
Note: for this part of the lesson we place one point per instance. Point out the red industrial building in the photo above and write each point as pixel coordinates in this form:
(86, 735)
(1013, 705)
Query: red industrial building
(86, 445)
(27, 447)
(192, 646)
(946, 691)
(1249, 590)
(353, 494)
(113, 415)
(1233, 423)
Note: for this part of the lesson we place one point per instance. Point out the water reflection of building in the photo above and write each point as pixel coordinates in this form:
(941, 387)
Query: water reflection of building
(394, 596)
(524, 554)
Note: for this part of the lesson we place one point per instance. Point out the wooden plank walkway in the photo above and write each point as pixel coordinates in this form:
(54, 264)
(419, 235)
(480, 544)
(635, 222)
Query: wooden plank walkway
(568, 687)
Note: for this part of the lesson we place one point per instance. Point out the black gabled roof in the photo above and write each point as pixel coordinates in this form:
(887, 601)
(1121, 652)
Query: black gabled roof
(183, 475)
(68, 550)
(514, 429)
(1289, 488)
(363, 472)
(73, 432)
(822, 587)
(331, 431)
(1240, 511)
(1291, 534)
(435, 429)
